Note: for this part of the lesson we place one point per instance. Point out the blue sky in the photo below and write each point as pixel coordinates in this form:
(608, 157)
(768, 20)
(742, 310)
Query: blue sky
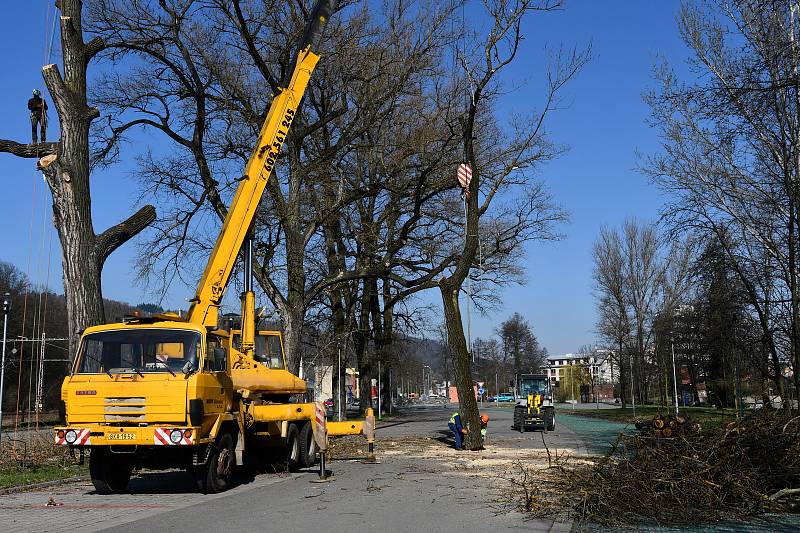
(595, 181)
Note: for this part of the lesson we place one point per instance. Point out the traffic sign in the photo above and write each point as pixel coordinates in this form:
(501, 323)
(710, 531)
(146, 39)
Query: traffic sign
(481, 391)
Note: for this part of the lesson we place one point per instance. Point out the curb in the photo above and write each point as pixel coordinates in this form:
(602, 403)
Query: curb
(42, 485)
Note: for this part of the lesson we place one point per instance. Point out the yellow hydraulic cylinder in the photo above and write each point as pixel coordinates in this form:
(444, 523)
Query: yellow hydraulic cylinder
(280, 412)
(248, 343)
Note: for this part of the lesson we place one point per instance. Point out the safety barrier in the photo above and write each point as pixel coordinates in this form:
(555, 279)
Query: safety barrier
(320, 430)
(369, 433)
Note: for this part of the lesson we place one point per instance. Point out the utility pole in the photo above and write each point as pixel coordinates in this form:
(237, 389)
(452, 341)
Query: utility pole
(6, 309)
(674, 374)
(40, 381)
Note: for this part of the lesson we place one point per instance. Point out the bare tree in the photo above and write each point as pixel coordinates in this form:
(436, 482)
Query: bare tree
(609, 285)
(520, 344)
(66, 167)
(730, 152)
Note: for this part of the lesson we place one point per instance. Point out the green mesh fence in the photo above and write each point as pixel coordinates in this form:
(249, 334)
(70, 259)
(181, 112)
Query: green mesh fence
(597, 435)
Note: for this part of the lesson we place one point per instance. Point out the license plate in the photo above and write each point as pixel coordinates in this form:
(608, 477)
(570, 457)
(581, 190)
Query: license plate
(122, 436)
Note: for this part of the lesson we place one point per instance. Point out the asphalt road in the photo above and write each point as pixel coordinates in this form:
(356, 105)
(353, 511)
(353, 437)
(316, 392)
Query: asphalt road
(403, 493)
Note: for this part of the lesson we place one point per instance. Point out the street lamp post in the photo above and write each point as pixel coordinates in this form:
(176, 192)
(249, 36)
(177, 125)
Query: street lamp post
(6, 309)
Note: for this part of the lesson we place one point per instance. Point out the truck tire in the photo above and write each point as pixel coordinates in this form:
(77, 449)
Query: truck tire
(293, 452)
(519, 422)
(216, 474)
(308, 446)
(110, 473)
(550, 422)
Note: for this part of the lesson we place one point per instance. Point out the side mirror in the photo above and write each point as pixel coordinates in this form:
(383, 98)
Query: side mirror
(188, 368)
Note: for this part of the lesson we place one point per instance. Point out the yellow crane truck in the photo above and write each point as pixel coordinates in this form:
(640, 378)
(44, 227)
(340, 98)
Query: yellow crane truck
(170, 392)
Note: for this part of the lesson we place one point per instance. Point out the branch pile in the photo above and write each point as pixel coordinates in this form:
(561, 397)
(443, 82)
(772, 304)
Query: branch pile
(747, 468)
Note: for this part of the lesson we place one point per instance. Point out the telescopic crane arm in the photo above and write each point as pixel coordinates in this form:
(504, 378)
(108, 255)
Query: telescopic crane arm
(239, 220)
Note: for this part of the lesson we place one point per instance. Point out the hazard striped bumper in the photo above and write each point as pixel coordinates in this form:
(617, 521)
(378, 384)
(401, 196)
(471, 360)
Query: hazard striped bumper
(173, 436)
(100, 435)
(73, 437)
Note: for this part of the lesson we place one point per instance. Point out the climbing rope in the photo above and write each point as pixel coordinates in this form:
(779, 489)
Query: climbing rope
(25, 308)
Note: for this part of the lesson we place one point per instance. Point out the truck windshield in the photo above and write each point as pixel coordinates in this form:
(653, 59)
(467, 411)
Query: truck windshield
(533, 386)
(138, 350)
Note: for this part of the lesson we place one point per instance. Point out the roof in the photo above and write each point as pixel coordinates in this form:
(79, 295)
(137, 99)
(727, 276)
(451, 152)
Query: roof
(568, 356)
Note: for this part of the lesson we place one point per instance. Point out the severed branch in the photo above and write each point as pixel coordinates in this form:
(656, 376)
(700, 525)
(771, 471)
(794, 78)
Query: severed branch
(30, 151)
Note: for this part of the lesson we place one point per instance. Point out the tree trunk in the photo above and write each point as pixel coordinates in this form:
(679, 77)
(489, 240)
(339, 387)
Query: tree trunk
(623, 396)
(461, 365)
(293, 316)
(65, 165)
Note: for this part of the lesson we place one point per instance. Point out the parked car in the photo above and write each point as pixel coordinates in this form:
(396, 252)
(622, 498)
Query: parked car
(505, 398)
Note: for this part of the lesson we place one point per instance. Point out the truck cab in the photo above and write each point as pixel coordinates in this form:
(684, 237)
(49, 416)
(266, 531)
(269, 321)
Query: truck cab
(148, 393)
(534, 407)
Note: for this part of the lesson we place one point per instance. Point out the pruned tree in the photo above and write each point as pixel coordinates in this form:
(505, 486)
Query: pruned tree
(534, 215)
(66, 167)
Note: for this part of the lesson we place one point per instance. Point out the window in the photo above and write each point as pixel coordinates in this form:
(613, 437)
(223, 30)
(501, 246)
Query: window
(269, 352)
(216, 355)
(138, 350)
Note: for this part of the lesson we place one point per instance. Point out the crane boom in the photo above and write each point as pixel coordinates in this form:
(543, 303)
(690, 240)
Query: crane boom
(241, 213)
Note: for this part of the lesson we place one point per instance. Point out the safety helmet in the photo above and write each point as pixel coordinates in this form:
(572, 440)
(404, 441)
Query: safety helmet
(36, 92)
(484, 419)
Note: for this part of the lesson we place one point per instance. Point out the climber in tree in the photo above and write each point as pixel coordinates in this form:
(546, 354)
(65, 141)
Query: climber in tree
(38, 109)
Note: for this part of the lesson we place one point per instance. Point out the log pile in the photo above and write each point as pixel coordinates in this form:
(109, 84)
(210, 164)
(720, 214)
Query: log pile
(667, 426)
(750, 467)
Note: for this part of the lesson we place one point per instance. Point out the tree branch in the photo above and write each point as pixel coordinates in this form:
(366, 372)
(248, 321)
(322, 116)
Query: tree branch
(93, 47)
(29, 151)
(115, 236)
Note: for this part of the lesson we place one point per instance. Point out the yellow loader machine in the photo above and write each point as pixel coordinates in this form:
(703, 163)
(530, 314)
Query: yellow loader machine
(167, 392)
(534, 407)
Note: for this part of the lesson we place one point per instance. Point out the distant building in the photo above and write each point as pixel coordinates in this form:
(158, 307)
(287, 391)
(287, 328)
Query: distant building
(321, 382)
(598, 365)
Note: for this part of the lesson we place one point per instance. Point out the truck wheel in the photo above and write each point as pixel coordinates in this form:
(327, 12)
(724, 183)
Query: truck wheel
(551, 420)
(110, 473)
(293, 452)
(308, 446)
(216, 475)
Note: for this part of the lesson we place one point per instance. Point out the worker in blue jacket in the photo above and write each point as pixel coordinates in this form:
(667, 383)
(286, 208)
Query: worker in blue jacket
(458, 429)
